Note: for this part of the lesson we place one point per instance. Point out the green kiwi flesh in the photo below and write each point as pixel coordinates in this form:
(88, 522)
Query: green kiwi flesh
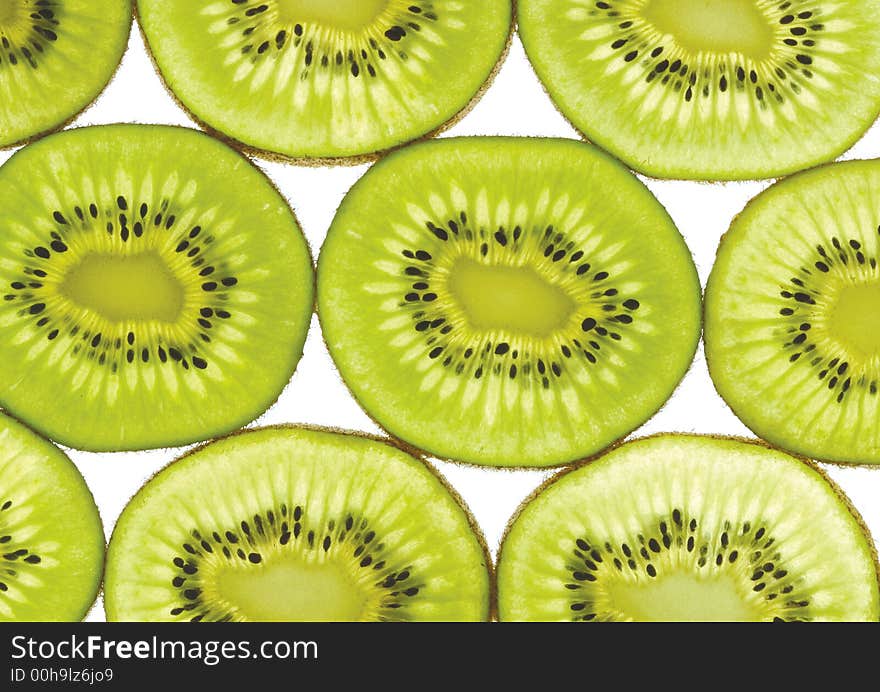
(56, 56)
(710, 89)
(792, 306)
(296, 524)
(156, 288)
(307, 79)
(509, 302)
(689, 528)
(51, 537)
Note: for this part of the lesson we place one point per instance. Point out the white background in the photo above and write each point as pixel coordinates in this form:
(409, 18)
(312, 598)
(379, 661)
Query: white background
(515, 105)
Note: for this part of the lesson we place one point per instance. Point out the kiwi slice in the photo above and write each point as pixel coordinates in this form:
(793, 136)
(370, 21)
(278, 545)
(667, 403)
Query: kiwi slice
(504, 301)
(710, 89)
(296, 524)
(51, 537)
(793, 314)
(156, 289)
(689, 528)
(56, 56)
(311, 79)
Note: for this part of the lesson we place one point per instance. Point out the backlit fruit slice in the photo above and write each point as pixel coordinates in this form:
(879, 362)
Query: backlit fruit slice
(56, 56)
(510, 302)
(710, 89)
(296, 524)
(156, 289)
(793, 314)
(51, 538)
(315, 79)
(689, 528)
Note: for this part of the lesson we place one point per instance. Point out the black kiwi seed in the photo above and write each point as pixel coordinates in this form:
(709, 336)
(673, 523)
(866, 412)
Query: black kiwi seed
(802, 299)
(39, 261)
(14, 559)
(673, 532)
(39, 32)
(264, 534)
(432, 322)
(264, 36)
(637, 42)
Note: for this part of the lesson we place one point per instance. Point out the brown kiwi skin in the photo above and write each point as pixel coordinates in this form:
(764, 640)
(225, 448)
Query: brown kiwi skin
(69, 121)
(492, 596)
(332, 161)
(309, 250)
(709, 361)
(755, 442)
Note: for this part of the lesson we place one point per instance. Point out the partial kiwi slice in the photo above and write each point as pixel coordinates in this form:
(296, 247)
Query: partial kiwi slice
(156, 289)
(297, 524)
(56, 56)
(309, 79)
(503, 301)
(793, 314)
(689, 528)
(51, 537)
(710, 89)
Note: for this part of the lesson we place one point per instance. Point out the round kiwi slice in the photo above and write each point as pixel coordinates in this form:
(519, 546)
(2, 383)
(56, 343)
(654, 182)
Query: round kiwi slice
(689, 528)
(710, 89)
(793, 314)
(51, 538)
(156, 289)
(56, 56)
(503, 301)
(296, 524)
(309, 79)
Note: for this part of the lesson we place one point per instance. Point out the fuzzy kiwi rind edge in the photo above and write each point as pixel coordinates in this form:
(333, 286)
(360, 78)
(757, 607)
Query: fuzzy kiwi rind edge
(492, 596)
(725, 239)
(332, 161)
(313, 287)
(30, 139)
(754, 442)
